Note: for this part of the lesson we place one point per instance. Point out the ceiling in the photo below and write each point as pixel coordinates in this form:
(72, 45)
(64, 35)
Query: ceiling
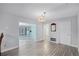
(33, 10)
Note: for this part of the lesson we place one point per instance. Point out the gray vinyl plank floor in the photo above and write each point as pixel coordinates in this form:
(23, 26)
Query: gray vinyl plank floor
(42, 48)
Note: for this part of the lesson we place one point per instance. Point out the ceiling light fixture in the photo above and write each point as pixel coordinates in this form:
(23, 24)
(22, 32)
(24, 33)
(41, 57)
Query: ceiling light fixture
(42, 17)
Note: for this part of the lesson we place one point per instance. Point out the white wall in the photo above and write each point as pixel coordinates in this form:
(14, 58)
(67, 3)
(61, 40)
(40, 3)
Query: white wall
(9, 26)
(46, 32)
(39, 31)
(78, 30)
(53, 34)
(64, 31)
(73, 20)
(73, 31)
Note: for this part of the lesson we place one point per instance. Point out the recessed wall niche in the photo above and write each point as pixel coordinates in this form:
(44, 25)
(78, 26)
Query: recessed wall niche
(53, 27)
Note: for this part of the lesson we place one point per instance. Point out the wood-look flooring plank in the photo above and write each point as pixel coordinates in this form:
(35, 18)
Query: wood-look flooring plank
(43, 48)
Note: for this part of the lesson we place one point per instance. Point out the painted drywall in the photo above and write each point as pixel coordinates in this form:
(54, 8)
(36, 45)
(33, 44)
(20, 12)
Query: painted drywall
(78, 30)
(64, 31)
(46, 31)
(73, 35)
(34, 31)
(39, 31)
(73, 31)
(9, 26)
(53, 34)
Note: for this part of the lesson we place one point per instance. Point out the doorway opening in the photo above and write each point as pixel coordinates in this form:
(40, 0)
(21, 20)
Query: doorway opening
(27, 32)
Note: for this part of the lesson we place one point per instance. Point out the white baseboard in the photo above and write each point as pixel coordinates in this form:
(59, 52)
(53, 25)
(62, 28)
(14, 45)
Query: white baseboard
(39, 40)
(70, 45)
(78, 49)
(9, 49)
(74, 45)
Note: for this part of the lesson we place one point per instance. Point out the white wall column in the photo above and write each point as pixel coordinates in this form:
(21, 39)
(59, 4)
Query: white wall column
(78, 31)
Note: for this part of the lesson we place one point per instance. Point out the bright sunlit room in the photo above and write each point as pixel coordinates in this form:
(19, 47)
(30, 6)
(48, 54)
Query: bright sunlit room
(39, 28)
